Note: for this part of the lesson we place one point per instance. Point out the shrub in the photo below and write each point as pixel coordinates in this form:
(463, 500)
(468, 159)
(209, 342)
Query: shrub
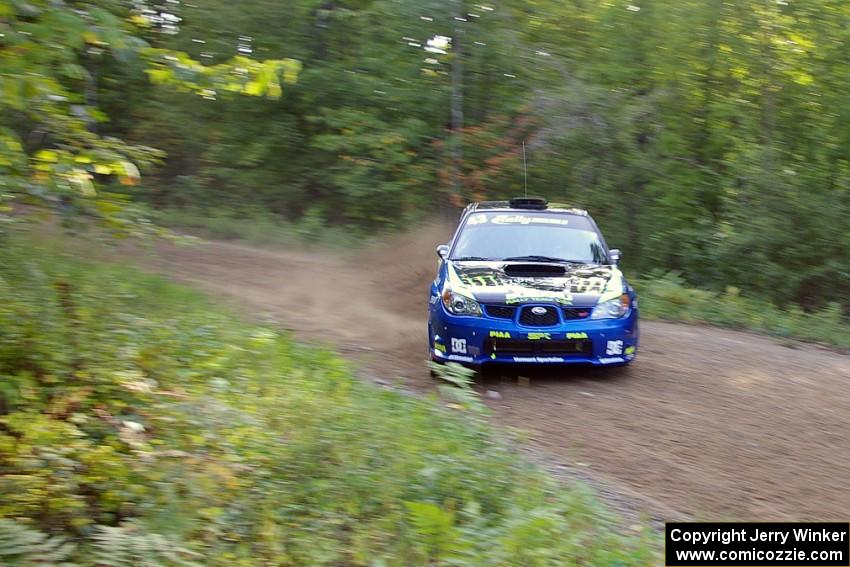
(664, 296)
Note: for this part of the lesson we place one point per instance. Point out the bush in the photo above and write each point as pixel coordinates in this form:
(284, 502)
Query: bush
(131, 407)
(665, 296)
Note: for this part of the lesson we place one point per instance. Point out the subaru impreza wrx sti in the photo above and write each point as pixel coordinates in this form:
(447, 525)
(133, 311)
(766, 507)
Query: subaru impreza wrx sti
(528, 282)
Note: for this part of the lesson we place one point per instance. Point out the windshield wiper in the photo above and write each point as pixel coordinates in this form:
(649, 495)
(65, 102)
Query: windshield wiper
(536, 258)
(470, 259)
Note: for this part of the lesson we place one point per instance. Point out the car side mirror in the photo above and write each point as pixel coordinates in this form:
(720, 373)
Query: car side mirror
(443, 251)
(615, 255)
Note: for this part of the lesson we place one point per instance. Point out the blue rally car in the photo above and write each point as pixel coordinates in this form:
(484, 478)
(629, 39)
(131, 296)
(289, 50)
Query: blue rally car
(528, 282)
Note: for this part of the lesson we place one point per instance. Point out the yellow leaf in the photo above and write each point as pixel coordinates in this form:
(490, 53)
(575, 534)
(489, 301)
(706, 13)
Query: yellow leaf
(803, 78)
(291, 69)
(159, 76)
(140, 21)
(130, 170)
(801, 41)
(82, 179)
(47, 155)
(91, 38)
(253, 88)
(13, 144)
(102, 169)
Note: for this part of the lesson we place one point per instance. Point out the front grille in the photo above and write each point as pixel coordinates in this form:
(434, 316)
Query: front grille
(500, 311)
(563, 347)
(576, 312)
(530, 319)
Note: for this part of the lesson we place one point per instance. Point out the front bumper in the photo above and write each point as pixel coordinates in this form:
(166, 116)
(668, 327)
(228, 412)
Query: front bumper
(477, 341)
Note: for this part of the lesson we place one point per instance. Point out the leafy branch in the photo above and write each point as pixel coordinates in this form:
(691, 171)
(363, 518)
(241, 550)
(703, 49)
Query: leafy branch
(51, 152)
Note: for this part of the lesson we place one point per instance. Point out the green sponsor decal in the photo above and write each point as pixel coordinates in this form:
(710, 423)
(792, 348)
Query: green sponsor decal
(512, 298)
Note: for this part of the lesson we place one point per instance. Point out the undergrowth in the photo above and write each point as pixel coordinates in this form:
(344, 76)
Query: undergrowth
(667, 297)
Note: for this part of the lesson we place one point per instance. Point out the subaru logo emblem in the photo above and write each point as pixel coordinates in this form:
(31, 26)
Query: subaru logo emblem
(538, 310)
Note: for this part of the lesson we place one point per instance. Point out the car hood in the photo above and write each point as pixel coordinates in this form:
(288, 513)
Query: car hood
(515, 282)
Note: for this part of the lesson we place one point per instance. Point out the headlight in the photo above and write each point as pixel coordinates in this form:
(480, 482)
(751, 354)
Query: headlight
(460, 304)
(613, 308)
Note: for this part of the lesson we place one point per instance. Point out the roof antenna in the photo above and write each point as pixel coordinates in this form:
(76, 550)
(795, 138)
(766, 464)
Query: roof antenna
(524, 168)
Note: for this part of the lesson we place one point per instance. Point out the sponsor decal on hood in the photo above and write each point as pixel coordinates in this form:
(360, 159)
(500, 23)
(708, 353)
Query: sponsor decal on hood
(577, 285)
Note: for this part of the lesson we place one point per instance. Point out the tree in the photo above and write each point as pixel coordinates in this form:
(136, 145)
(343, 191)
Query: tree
(51, 149)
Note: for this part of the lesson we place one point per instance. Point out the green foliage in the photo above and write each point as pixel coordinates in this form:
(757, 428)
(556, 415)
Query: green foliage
(359, 139)
(129, 546)
(54, 145)
(435, 534)
(458, 388)
(141, 422)
(698, 134)
(24, 547)
(242, 75)
(668, 297)
(122, 546)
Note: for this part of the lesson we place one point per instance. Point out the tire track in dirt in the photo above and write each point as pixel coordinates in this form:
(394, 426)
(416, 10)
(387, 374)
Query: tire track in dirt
(707, 423)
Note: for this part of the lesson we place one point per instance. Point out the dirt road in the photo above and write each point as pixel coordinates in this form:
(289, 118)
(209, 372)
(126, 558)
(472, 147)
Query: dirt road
(707, 424)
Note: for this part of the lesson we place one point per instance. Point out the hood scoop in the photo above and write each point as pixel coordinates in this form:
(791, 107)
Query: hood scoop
(535, 270)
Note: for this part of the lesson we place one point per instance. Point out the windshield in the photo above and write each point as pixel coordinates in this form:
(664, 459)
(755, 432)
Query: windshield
(535, 237)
